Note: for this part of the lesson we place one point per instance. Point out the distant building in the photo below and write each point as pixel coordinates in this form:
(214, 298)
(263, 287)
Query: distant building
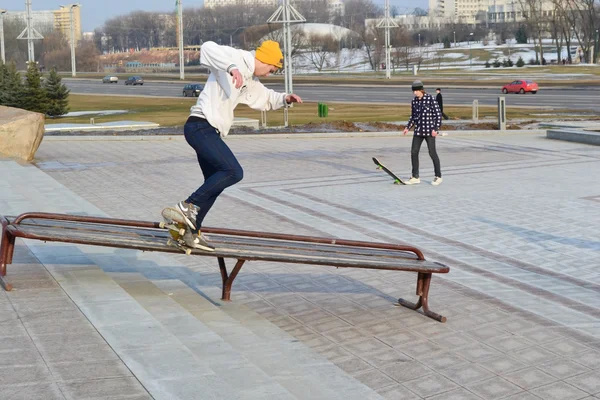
(474, 11)
(224, 3)
(51, 20)
(62, 21)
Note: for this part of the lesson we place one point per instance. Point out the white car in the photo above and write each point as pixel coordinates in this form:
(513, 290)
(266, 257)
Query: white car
(110, 79)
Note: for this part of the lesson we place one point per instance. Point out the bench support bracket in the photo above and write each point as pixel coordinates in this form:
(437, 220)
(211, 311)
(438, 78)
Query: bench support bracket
(7, 247)
(228, 278)
(423, 282)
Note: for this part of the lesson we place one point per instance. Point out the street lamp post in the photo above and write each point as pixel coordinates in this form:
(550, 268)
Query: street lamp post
(72, 22)
(454, 32)
(419, 41)
(2, 12)
(470, 56)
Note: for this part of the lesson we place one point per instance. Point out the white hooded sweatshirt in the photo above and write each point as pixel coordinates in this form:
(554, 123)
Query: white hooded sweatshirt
(220, 97)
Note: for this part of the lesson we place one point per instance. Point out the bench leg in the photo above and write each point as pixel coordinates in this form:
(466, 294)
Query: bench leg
(423, 282)
(228, 278)
(7, 247)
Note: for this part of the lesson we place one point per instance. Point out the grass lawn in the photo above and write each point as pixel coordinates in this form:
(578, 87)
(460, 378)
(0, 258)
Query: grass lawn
(174, 112)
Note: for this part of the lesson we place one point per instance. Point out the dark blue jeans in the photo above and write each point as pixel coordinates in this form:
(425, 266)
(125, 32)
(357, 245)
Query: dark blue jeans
(219, 166)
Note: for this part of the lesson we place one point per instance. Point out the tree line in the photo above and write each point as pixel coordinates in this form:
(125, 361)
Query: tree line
(48, 96)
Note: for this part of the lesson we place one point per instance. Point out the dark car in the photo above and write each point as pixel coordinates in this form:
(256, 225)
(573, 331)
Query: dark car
(521, 86)
(192, 89)
(134, 80)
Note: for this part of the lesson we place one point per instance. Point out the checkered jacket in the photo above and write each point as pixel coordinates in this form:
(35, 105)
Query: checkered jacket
(425, 115)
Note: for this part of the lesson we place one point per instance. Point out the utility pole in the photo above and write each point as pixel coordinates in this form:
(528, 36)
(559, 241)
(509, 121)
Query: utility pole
(2, 12)
(286, 14)
(387, 23)
(180, 39)
(29, 33)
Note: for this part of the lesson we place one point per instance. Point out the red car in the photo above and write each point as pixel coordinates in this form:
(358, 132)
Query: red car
(520, 86)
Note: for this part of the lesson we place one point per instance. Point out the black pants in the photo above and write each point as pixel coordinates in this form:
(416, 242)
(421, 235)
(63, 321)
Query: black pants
(414, 154)
(444, 115)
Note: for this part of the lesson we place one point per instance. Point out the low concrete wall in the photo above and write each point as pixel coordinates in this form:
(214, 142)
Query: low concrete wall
(575, 135)
(21, 132)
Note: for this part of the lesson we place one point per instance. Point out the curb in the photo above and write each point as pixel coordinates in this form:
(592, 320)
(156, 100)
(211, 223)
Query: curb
(321, 135)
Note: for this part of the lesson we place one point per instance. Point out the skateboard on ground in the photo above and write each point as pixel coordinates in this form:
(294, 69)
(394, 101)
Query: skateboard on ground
(397, 181)
(174, 221)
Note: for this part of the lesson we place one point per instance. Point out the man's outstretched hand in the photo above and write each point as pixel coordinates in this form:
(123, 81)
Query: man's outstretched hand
(293, 98)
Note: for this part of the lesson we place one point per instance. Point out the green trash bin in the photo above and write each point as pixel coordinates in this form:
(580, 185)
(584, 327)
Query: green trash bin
(320, 110)
(325, 110)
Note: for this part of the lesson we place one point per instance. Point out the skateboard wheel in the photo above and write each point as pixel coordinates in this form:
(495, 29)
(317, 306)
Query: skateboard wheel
(188, 252)
(169, 242)
(161, 225)
(182, 231)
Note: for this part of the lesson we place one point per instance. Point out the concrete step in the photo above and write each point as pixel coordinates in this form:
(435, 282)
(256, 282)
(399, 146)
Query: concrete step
(232, 374)
(290, 363)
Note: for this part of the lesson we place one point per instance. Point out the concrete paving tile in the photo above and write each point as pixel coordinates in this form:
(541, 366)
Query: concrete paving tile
(20, 357)
(385, 357)
(463, 374)
(103, 388)
(590, 359)
(559, 391)
(353, 365)
(442, 361)
(16, 343)
(529, 378)
(534, 355)
(374, 379)
(88, 370)
(589, 382)
(406, 371)
(31, 391)
(398, 392)
(494, 388)
(67, 352)
(563, 368)
(456, 394)
(35, 373)
(430, 385)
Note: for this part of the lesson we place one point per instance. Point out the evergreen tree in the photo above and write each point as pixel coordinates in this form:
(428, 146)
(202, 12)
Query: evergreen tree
(521, 35)
(520, 62)
(11, 92)
(446, 42)
(58, 95)
(35, 98)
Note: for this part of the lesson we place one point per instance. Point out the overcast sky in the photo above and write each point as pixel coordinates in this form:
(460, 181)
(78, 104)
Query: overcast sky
(95, 12)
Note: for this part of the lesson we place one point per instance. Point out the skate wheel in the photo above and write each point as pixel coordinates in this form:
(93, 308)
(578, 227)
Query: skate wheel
(182, 231)
(161, 225)
(188, 252)
(169, 242)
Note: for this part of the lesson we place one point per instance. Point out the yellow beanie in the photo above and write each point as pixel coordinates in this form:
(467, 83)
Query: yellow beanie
(270, 53)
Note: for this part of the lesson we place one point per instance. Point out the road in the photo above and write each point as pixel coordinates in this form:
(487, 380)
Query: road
(582, 99)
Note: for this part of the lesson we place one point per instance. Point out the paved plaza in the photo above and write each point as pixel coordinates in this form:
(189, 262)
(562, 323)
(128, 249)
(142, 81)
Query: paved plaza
(517, 219)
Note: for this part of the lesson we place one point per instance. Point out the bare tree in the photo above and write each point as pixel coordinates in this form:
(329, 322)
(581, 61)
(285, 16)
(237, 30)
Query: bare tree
(319, 48)
(582, 17)
(534, 17)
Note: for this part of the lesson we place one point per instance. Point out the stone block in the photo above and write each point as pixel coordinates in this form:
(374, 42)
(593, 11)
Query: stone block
(21, 132)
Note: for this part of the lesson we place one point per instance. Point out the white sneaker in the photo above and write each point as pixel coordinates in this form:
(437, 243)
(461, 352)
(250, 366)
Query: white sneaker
(436, 181)
(413, 181)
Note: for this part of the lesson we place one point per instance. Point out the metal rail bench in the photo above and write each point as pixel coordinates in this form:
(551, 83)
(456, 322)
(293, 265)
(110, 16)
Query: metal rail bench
(239, 245)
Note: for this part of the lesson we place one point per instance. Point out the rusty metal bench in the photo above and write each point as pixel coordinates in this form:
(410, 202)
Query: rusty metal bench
(239, 245)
